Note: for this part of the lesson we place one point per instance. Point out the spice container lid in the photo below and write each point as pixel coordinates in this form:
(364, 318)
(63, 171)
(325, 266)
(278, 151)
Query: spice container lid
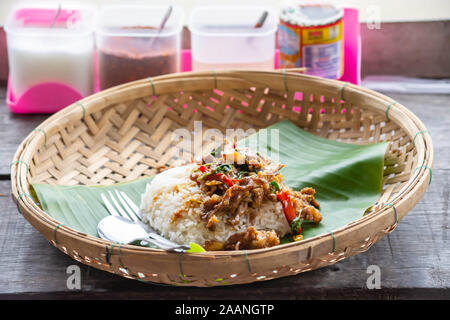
(310, 14)
(138, 21)
(45, 18)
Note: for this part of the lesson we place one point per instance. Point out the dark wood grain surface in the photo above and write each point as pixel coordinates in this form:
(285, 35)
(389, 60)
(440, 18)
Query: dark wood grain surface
(414, 260)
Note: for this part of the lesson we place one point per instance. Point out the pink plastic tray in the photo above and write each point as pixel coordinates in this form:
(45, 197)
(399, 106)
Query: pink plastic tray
(42, 98)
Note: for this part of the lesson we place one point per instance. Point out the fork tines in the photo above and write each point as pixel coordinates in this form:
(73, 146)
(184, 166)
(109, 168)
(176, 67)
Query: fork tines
(123, 207)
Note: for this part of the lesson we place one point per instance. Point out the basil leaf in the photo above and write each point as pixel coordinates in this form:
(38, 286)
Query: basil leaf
(275, 186)
(226, 167)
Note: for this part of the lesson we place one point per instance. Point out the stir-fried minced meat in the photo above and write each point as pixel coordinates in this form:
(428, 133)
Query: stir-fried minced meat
(252, 239)
(305, 202)
(237, 182)
(213, 246)
(245, 190)
(211, 203)
(212, 222)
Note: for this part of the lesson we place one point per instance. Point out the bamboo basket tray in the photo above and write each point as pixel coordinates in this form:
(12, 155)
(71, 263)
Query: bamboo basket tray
(122, 133)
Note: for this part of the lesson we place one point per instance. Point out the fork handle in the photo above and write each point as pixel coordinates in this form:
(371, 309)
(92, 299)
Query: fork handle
(163, 245)
(157, 237)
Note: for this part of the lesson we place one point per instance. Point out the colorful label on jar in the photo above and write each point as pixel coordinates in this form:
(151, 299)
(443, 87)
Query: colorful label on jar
(318, 48)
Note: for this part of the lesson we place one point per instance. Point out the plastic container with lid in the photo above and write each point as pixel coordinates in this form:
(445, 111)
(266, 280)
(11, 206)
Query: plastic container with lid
(131, 45)
(225, 37)
(311, 35)
(50, 52)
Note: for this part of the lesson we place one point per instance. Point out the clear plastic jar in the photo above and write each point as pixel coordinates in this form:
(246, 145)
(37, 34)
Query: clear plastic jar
(47, 44)
(225, 37)
(131, 46)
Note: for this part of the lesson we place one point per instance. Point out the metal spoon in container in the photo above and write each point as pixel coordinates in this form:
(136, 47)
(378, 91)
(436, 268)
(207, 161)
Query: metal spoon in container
(261, 20)
(58, 11)
(162, 25)
(259, 23)
(124, 231)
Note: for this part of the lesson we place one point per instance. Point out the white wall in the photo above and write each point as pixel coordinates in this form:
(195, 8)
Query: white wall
(386, 10)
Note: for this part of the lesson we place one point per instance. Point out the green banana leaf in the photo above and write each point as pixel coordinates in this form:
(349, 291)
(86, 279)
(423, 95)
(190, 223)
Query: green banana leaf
(81, 207)
(347, 179)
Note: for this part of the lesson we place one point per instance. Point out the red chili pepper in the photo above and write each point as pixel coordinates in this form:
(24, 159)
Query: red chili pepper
(229, 182)
(289, 212)
(220, 176)
(203, 169)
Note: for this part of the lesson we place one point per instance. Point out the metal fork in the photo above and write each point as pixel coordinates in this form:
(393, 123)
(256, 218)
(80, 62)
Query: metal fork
(122, 206)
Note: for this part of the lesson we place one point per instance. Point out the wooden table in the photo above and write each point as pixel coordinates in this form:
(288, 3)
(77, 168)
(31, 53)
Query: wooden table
(414, 260)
